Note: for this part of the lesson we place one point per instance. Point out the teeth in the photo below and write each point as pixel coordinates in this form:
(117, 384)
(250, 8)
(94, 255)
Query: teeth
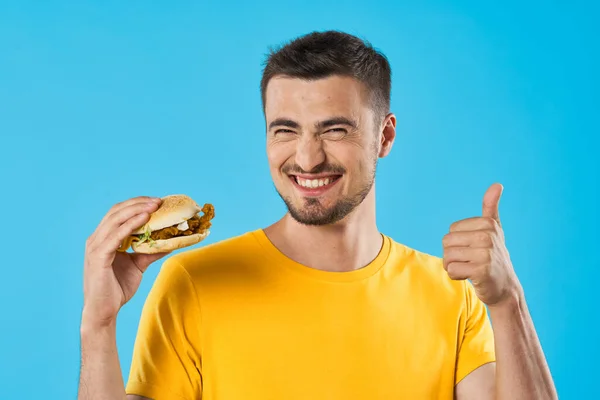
(313, 183)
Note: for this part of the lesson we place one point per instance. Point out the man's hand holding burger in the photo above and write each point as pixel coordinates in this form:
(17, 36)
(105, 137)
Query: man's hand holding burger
(153, 228)
(112, 277)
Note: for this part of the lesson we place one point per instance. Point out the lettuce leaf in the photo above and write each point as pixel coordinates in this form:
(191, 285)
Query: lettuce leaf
(145, 237)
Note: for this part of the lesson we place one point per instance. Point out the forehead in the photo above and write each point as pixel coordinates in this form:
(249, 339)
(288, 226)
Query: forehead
(315, 99)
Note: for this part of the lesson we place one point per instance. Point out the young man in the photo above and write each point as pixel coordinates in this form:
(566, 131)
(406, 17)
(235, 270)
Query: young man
(320, 305)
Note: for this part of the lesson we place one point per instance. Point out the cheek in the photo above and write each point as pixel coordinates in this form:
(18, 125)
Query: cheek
(278, 154)
(352, 156)
(364, 167)
(274, 154)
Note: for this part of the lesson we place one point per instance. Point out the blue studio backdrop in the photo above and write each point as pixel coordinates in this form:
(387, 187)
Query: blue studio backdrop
(102, 101)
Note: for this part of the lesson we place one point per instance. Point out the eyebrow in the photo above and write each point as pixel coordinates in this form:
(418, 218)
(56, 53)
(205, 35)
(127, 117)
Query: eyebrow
(336, 121)
(284, 122)
(319, 125)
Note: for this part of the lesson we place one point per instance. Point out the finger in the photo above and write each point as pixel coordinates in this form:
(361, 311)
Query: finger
(466, 254)
(116, 208)
(144, 260)
(482, 238)
(460, 270)
(474, 224)
(121, 216)
(491, 202)
(114, 238)
(129, 202)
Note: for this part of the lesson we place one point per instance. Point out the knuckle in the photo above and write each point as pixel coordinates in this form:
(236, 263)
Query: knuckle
(453, 271)
(453, 254)
(447, 239)
(480, 255)
(90, 244)
(448, 251)
(95, 257)
(486, 255)
(89, 256)
(490, 222)
(484, 238)
(142, 206)
(486, 269)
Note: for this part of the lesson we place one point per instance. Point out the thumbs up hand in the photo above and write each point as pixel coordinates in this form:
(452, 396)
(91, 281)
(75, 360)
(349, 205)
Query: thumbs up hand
(474, 249)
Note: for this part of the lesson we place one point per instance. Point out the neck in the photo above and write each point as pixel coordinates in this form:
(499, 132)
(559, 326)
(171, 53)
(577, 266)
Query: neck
(347, 245)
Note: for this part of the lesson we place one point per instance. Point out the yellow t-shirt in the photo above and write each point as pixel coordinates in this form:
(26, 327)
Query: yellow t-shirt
(239, 320)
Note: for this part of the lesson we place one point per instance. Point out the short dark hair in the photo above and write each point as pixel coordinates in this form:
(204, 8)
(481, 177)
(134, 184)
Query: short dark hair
(322, 54)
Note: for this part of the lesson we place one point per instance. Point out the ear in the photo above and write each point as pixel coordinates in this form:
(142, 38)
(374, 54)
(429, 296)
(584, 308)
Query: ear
(388, 134)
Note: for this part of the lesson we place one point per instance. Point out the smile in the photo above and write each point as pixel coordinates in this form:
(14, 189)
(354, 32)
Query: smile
(314, 186)
(315, 183)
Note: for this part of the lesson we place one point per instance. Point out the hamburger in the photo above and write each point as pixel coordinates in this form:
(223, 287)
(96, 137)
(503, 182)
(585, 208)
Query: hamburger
(174, 225)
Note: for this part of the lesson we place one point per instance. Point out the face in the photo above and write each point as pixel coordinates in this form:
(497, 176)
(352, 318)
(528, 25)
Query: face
(323, 145)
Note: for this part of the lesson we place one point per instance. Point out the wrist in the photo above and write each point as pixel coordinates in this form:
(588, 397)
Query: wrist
(98, 340)
(513, 302)
(91, 325)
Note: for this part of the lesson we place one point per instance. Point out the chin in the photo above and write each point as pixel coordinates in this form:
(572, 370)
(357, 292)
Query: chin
(312, 212)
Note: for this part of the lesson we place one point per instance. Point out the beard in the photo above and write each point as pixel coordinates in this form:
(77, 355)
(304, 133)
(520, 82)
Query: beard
(313, 212)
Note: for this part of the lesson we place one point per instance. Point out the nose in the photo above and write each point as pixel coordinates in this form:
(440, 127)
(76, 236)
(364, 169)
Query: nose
(309, 153)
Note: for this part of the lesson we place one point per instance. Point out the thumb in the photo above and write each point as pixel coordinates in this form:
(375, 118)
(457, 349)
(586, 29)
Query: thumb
(144, 260)
(491, 200)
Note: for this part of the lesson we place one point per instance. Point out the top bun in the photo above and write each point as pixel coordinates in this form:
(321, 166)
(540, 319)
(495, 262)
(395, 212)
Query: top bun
(173, 210)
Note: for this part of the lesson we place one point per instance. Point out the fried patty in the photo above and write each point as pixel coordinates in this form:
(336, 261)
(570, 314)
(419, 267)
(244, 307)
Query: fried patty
(196, 224)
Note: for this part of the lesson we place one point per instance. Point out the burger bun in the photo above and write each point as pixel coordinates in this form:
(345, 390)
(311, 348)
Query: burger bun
(173, 210)
(168, 245)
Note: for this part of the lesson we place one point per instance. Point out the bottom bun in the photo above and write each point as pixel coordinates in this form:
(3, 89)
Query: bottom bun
(167, 245)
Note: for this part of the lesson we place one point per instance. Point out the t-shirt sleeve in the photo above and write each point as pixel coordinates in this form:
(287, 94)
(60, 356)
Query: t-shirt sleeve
(166, 360)
(477, 343)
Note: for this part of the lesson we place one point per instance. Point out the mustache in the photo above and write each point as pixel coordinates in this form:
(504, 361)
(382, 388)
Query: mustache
(333, 169)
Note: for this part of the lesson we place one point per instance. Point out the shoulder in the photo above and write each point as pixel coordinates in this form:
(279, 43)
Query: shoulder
(221, 259)
(230, 249)
(425, 271)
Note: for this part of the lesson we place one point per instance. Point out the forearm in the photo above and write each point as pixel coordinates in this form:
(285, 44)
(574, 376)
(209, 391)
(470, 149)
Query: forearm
(101, 377)
(521, 368)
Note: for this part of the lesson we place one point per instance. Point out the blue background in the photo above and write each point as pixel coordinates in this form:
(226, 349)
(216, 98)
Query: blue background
(102, 101)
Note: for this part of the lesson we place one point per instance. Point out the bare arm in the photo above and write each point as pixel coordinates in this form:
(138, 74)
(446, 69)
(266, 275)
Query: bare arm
(478, 385)
(520, 371)
(101, 376)
(475, 249)
(110, 277)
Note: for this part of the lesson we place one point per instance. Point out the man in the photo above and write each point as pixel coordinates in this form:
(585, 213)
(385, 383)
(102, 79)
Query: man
(319, 305)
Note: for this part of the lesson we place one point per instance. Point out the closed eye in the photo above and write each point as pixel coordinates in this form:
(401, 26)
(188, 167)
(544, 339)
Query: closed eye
(334, 134)
(283, 131)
